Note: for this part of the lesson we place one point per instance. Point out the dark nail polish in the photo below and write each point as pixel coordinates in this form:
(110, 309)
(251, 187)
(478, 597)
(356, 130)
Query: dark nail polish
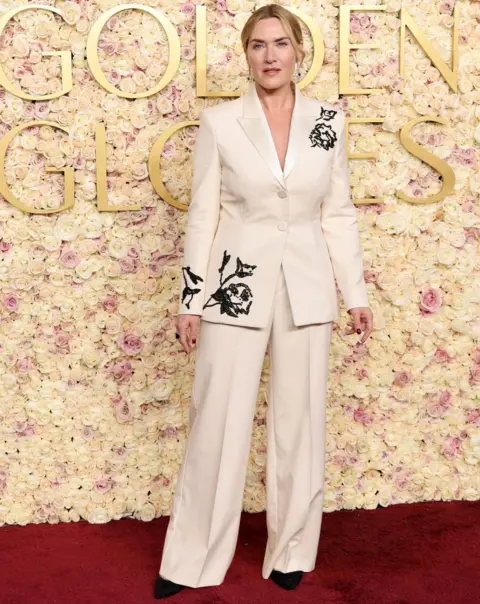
(359, 331)
(194, 341)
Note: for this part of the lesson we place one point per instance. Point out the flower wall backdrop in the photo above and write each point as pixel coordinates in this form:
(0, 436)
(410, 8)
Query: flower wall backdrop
(94, 388)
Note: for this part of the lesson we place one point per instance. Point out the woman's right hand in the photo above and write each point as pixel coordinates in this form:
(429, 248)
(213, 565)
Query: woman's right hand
(187, 329)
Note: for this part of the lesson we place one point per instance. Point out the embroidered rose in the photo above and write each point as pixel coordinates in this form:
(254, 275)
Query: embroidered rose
(323, 135)
(189, 291)
(235, 298)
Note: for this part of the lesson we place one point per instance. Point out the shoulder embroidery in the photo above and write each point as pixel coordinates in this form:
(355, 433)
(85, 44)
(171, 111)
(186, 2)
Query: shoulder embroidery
(322, 134)
(189, 291)
(234, 298)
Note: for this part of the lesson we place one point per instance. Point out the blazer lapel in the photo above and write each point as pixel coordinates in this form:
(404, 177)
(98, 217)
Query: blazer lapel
(255, 126)
(303, 120)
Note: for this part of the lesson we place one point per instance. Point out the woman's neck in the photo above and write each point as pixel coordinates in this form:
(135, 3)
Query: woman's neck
(280, 99)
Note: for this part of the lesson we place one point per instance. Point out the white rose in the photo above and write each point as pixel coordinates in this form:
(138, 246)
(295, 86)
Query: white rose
(66, 228)
(446, 255)
(98, 516)
(161, 390)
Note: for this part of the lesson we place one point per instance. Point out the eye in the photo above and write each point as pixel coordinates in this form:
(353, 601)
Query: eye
(283, 43)
(257, 45)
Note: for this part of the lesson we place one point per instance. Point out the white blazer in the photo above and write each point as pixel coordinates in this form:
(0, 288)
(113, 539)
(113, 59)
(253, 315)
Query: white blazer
(247, 218)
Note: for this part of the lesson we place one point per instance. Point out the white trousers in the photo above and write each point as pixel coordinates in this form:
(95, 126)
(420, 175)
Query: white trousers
(204, 522)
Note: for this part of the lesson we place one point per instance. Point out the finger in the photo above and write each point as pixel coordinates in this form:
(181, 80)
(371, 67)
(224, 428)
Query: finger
(357, 322)
(184, 338)
(192, 340)
(368, 329)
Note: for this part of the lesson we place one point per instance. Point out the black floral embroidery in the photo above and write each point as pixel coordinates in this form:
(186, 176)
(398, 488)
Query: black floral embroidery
(323, 135)
(235, 298)
(326, 114)
(189, 291)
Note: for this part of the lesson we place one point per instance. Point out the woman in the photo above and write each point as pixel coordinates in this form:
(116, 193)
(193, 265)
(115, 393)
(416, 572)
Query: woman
(271, 223)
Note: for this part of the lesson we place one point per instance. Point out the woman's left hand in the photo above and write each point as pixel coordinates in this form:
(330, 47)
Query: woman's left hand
(362, 321)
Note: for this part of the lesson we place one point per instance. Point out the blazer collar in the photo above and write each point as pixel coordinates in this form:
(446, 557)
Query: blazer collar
(255, 126)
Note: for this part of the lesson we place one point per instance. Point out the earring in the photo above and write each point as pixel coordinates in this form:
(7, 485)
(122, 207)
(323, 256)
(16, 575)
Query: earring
(299, 73)
(250, 77)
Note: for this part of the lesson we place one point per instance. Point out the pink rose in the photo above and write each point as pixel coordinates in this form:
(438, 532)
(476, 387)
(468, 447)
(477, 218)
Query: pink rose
(472, 235)
(475, 374)
(441, 356)
(11, 302)
(431, 301)
(402, 378)
(87, 434)
(122, 371)
(451, 447)
(103, 485)
(62, 338)
(128, 265)
(445, 399)
(130, 344)
(169, 149)
(70, 259)
(23, 365)
(361, 417)
(5, 247)
(79, 163)
(24, 429)
(355, 27)
(446, 7)
(42, 110)
(476, 356)
(110, 304)
(188, 9)
(123, 413)
(120, 451)
(473, 416)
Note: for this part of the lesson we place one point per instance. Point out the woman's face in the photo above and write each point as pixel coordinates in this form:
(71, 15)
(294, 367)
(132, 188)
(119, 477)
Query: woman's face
(271, 55)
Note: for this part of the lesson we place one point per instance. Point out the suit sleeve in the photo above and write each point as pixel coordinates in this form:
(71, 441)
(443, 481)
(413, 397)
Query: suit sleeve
(340, 228)
(203, 214)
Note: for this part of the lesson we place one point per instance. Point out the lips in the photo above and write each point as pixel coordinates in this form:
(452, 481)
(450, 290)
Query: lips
(271, 71)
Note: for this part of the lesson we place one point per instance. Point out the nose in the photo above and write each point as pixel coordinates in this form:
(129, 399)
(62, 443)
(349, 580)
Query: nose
(270, 54)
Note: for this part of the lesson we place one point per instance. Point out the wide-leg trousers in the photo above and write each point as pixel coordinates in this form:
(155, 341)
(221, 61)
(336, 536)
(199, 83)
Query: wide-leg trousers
(207, 505)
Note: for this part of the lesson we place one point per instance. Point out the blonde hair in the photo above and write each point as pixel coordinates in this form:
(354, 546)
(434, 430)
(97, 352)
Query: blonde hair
(291, 25)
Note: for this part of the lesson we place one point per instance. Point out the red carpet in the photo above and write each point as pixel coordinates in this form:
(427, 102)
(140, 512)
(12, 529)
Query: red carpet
(425, 553)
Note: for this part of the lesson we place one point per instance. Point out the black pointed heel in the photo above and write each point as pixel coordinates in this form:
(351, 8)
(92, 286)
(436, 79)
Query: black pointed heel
(287, 580)
(165, 588)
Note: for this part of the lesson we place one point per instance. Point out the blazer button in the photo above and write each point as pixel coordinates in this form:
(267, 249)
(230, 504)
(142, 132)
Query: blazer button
(282, 194)
(282, 226)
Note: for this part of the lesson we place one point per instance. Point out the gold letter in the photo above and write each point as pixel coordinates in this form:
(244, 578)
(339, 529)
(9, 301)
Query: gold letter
(344, 50)
(101, 166)
(432, 160)
(450, 75)
(154, 162)
(68, 172)
(201, 52)
(94, 61)
(363, 120)
(64, 54)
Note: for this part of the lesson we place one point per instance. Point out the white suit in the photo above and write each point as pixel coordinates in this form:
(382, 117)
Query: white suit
(243, 208)
(262, 250)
